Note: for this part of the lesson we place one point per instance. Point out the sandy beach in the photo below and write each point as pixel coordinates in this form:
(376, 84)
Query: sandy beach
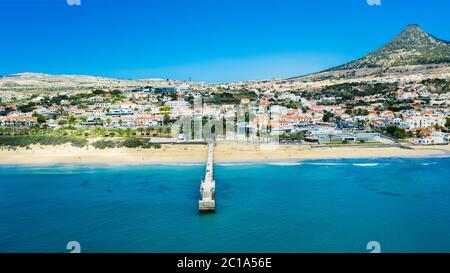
(197, 154)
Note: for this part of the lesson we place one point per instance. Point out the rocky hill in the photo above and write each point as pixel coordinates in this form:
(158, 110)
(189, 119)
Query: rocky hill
(412, 46)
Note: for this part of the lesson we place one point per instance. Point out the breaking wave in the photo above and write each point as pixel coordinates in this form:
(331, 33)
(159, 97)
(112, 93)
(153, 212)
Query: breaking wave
(327, 164)
(285, 163)
(182, 164)
(366, 164)
(428, 163)
(236, 164)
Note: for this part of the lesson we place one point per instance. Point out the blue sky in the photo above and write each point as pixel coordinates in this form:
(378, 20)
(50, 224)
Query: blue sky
(206, 40)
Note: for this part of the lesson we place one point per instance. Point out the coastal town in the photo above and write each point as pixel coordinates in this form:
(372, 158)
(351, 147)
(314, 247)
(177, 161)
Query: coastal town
(378, 112)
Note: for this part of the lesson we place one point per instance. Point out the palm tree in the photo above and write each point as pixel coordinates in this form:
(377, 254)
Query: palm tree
(159, 131)
(168, 131)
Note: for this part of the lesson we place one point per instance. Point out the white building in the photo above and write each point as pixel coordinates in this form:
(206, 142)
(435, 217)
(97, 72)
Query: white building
(426, 121)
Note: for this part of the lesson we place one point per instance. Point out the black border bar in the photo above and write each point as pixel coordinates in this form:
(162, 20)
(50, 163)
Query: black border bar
(237, 262)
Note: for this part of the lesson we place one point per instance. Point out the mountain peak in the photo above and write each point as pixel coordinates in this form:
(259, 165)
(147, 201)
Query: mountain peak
(412, 30)
(413, 26)
(412, 46)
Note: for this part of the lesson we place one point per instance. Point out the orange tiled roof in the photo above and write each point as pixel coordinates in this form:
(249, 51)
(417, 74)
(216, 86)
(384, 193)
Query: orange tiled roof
(423, 130)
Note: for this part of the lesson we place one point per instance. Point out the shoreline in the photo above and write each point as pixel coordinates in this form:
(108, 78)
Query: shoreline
(196, 154)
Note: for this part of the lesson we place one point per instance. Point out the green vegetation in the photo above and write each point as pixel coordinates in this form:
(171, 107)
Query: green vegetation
(415, 46)
(447, 122)
(288, 104)
(437, 85)
(361, 112)
(349, 111)
(223, 98)
(231, 97)
(54, 100)
(167, 119)
(40, 118)
(348, 91)
(77, 99)
(104, 144)
(164, 109)
(25, 141)
(251, 95)
(327, 116)
(292, 136)
(26, 108)
(335, 142)
(6, 111)
(88, 132)
(135, 143)
(396, 132)
(396, 106)
(26, 138)
(128, 143)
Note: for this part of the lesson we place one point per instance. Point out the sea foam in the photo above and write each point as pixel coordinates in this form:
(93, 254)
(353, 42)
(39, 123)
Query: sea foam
(285, 163)
(366, 164)
(236, 164)
(327, 164)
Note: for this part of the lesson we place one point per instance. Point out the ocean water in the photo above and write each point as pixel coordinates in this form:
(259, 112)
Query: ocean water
(308, 206)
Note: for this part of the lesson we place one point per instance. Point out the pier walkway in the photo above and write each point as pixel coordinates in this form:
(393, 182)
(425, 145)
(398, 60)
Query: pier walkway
(207, 202)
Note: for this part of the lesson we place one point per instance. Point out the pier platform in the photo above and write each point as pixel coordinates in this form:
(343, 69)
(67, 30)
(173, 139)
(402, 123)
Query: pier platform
(207, 202)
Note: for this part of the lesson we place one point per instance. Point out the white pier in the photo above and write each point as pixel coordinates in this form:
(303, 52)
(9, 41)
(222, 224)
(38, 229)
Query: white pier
(207, 202)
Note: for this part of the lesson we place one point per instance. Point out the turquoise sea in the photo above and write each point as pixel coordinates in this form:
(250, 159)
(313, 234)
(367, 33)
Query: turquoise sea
(308, 206)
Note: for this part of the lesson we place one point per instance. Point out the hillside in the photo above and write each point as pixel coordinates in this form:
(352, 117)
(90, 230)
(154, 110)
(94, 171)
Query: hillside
(412, 46)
